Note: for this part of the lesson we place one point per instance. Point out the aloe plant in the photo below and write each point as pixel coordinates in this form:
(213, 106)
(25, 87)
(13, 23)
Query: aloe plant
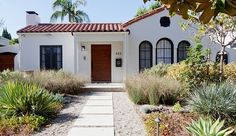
(206, 127)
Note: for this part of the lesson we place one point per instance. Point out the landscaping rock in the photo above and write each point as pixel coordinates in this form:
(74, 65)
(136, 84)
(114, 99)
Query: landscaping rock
(146, 109)
(61, 125)
(126, 120)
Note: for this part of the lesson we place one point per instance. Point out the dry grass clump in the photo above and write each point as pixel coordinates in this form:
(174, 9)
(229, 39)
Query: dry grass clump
(150, 89)
(58, 81)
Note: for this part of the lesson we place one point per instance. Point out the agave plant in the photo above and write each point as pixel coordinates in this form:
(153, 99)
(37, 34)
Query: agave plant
(219, 101)
(206, 127)
(25, 99)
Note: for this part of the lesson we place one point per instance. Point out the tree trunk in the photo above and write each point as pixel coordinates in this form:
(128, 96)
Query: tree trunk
(222, 63)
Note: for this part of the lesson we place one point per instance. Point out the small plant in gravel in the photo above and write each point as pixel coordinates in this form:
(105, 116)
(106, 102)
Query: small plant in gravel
(26, 99)
(206, 127)
(218, 101)
(150, 89)
(177, 107)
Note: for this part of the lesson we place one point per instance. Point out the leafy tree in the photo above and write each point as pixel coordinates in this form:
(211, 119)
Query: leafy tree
(196, 55)
(143, 10)
(69, 8)
(6, 34)
(208, 9)
(14, 41)
(154, 5)
(221, 31)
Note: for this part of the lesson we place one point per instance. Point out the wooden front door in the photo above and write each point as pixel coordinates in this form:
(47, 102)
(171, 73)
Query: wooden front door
(101, 63)
(7, 61)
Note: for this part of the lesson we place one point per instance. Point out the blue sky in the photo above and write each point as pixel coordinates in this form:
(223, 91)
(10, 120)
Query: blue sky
(13, 11)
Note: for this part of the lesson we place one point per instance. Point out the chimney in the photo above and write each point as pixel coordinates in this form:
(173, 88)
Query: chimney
(32, 18)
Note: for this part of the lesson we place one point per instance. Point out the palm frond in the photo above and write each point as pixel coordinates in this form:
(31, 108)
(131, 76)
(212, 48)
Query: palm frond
(82, 16)
(80, 2)
(56, 15)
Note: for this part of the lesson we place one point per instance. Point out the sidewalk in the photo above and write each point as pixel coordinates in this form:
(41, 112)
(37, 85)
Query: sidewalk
(96, 118)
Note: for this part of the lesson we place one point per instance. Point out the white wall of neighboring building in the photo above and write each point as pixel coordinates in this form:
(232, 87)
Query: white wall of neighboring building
(4, 41)
(30, 49)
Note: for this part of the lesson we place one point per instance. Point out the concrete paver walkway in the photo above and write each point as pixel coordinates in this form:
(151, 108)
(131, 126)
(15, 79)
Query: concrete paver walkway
(96, 118)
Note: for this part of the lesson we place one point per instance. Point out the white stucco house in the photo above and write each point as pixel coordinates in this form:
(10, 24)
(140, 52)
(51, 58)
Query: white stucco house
(107, 52)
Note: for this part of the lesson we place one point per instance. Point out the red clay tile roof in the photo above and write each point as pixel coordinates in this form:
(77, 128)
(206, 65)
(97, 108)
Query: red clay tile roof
(86, 27)
(74, 27)
(155, 11)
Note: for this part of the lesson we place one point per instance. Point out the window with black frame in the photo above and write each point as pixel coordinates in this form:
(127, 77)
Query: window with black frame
(50, 57)
(145, 55)
(225, 57)
(164, 51)
(182, 51)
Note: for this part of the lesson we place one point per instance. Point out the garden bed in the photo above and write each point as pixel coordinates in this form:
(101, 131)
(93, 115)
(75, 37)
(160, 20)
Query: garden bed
(29, 101)
(171, 123)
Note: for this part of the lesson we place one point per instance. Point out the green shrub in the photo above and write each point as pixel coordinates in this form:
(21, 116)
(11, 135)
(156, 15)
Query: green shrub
(58, 81)
(150, 89)
(219, 101)
(193, 76)
(230, 72)
(26, 99)
(206, 127)
(177, 107)
(158, 70)
(20, 125)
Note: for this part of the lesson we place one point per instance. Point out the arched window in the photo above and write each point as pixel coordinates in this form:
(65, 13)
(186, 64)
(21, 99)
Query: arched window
(145, 55)
(164, 51)
(182, 51)
(225, 57)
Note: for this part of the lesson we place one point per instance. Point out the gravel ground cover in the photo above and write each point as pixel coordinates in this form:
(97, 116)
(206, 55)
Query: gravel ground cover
(61, 125)
(126, 120)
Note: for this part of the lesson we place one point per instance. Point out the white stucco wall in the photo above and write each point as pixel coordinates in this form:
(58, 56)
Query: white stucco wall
(84, 57)
(74, 60)
(149, 29)
(30, 49)
(215, 48)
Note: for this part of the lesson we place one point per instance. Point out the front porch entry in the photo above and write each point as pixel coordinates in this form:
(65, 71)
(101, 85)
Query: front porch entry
(101, 63)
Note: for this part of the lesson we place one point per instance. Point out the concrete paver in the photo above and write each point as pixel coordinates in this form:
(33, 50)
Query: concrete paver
(99, 103)
(92, 131)
(96, 118)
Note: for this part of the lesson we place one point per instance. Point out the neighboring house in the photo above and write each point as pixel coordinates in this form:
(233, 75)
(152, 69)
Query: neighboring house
(107, 52)
(3, 41)
(8, 59)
